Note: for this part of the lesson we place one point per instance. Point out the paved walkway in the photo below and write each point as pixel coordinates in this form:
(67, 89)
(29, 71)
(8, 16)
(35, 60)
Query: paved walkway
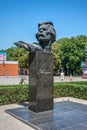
(7, 122)
(12, 80)
(15, 80)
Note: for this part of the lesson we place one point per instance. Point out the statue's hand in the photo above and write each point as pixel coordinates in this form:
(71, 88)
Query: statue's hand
(22, 44)
(28, 47)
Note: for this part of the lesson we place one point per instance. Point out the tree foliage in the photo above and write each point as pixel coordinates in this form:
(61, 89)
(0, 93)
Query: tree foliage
(56, 53)
(18, 54)
(10, 53)
(72, 52)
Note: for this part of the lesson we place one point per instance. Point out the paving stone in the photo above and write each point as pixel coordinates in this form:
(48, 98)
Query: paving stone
(65, 116)
(77, 127)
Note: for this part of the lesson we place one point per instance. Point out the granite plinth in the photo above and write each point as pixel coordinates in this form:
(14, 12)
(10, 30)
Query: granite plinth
(65, 116)
(41, 81)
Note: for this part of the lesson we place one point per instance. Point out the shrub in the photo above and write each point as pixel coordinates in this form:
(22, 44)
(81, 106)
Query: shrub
(70, 89)
(20, 93)
(13, 94)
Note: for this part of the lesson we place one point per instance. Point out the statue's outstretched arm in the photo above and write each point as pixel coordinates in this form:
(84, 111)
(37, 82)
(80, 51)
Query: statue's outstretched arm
(22, 44)
(29, 47)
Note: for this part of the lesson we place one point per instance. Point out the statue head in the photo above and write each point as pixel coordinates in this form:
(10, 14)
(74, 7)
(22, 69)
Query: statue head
(46, 34)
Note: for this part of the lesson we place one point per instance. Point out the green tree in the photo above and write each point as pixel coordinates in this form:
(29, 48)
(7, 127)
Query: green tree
(72, 53)
(22, 56)
(56, 53)
(10, 53)
(18, 54)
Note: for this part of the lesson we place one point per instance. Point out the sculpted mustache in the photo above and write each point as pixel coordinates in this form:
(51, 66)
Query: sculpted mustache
(41, 34)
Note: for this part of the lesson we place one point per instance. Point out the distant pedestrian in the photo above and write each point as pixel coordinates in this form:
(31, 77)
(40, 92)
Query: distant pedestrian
(21, 81)
(6, 74)
(70, 77)
(62, 76)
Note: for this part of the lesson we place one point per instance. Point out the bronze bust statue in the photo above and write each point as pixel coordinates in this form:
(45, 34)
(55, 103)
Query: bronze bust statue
(46, 35)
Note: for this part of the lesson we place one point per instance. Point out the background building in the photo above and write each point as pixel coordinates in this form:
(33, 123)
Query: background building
(8, 68)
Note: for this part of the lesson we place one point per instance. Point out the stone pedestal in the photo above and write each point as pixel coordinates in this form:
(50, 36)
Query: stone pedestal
(41, 81)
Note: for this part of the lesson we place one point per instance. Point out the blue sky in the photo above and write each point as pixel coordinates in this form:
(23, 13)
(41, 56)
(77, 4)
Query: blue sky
(19, 19)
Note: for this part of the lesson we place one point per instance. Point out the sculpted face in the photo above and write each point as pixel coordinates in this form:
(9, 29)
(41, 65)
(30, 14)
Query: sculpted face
(44, 34)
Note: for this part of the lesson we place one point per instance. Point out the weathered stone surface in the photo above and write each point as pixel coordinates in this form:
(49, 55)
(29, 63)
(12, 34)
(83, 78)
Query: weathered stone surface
(41, 81)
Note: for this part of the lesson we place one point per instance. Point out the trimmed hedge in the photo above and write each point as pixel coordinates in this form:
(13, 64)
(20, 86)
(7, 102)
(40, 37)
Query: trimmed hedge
(75, 89)
(13, 94)
(78, 82)
(20, 93)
